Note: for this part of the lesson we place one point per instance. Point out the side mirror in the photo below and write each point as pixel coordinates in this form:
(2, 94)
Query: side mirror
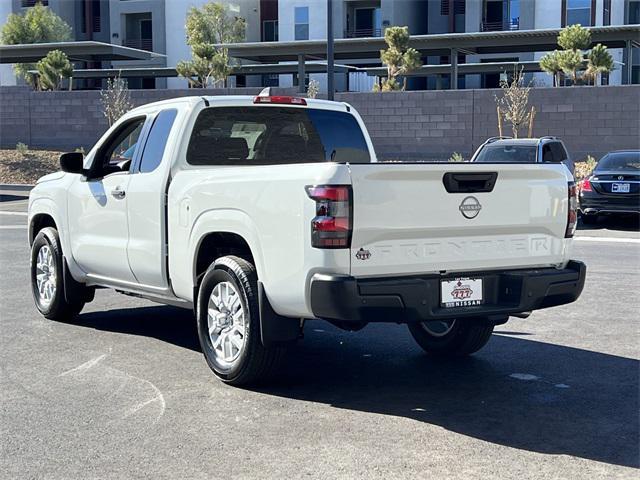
(72, 162)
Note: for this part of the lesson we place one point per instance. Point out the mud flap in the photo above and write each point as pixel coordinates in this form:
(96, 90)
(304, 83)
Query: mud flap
(275, 329)
(75, 291)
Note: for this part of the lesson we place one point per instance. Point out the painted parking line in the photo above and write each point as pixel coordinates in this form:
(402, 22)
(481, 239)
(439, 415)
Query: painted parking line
(13, 227)
(607, 239)
(15, 214)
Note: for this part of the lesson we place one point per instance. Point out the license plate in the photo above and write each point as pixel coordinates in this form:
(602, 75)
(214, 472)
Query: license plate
(620, 188)
(461, 292)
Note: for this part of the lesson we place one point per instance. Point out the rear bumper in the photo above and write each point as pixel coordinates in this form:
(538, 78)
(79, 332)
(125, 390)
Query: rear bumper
(414, 299)
(594, 203)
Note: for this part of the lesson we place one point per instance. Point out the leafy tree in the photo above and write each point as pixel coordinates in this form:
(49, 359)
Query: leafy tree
(37, 25)
(513, 105)
(573, 61)
(207, 27)
(399, 58)
(116, 100)
(52, 69)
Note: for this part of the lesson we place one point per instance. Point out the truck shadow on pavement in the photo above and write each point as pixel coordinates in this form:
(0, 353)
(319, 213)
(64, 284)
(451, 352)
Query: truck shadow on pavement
(516, 392)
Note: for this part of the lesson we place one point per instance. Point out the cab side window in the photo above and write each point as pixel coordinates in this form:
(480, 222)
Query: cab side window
(559, 154)
(157, 140)
(117, 153)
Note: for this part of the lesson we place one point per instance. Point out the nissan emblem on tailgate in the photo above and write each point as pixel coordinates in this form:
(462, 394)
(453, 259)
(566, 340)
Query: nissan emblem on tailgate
(470, 207)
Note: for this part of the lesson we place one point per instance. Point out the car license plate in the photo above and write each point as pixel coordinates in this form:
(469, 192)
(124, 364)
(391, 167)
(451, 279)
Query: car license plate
(620, 188)
(461, 292)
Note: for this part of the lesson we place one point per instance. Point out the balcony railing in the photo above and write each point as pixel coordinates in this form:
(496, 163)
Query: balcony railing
(513, 24)
(139, 43)
(363, 32)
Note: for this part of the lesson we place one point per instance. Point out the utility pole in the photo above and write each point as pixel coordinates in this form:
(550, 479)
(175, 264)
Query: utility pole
(330, 72)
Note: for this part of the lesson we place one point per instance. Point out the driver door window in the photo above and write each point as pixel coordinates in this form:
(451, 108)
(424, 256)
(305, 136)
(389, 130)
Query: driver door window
(118, 152)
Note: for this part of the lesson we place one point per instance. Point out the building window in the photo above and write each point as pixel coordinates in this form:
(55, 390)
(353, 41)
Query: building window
(606, 12)
(578, 12)
(301, 19)
(138, 31)
(633, 15)
(270, 31)
(32, 3)
(95, 15)
(458, 7)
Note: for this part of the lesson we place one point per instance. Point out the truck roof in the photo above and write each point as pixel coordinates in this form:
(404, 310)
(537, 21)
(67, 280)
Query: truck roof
(521, 141)
(240, 101)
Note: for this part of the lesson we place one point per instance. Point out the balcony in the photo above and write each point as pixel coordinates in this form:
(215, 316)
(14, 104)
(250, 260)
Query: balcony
(363, 32)
(139, 43)
(513, 24)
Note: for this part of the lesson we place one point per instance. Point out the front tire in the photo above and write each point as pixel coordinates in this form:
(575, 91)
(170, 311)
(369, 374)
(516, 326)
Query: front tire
(47, 278)
(229, 323)
(451, 338)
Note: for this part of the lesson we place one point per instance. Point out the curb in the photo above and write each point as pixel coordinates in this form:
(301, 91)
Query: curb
(16, 187)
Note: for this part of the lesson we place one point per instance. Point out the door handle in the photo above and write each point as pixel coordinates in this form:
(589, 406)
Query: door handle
(118, 192)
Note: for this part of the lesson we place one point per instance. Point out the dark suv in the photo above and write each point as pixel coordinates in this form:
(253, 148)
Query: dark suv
(523, 150)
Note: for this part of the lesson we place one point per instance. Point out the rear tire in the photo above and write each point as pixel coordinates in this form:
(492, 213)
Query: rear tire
(454, 338)
(589, 219)
(47, 278)
(229, 323)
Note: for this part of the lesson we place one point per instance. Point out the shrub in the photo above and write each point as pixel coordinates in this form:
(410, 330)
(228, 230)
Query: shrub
(22, 148)
(584, 169)
(456, 157)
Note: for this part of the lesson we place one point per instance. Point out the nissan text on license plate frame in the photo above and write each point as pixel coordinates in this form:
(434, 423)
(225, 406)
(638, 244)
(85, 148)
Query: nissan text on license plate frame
(461, 292)
(620, 188)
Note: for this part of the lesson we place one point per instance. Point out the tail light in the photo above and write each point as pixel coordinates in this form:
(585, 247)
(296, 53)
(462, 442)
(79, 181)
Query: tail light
(586, 186)
(572, 215)
(279, 99)
(332, 225)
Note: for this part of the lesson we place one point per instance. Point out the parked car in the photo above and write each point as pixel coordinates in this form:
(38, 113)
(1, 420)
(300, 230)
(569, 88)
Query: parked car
(260, 212)
(524, 150)
(613, 188)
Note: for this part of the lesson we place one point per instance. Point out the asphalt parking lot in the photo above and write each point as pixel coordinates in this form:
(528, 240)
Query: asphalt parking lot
(123, 392)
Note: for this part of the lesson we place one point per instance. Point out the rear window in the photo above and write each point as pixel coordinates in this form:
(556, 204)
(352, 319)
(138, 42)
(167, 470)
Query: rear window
(620, 161)
(507, 154)
(267, 135)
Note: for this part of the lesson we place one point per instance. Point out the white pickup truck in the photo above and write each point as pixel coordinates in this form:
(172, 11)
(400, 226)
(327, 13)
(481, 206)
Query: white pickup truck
(261, 212)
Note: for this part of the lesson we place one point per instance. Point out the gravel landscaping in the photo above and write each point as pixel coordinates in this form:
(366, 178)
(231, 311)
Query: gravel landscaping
(27, 167)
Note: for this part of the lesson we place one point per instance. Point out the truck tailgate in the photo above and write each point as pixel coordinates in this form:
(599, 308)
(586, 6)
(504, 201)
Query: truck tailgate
(501, 216)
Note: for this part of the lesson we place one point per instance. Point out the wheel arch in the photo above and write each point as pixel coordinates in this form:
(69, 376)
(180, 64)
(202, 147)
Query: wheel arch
(43, 212)
(38, 222)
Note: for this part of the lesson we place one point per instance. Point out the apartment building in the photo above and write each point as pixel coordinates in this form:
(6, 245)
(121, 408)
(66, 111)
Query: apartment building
(140, 24)
(306, 19)
(159, 26)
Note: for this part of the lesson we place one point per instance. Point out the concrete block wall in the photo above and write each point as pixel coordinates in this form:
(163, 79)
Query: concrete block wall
(428, 125)
(68, 120)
